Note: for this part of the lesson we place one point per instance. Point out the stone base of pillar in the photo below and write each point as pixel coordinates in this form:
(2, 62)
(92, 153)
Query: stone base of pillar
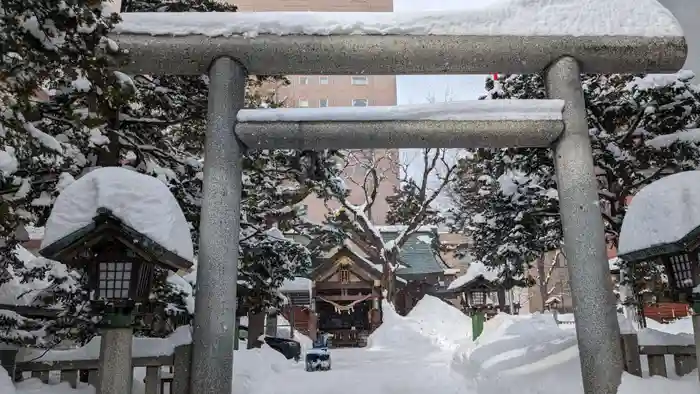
(116, 371)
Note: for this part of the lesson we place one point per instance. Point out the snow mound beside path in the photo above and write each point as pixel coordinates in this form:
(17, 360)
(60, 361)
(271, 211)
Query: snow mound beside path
(432, 324)
(530, 354)
(446, 325)
(6, 385)
(252, 366)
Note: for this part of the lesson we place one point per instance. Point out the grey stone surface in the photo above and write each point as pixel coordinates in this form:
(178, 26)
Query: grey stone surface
(217, 271)
(116, 371)
(399, 134)
(396, 55)
(584, 238)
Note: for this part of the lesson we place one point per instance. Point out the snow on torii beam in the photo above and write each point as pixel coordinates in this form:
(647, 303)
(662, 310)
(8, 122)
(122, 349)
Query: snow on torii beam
(467, 124)
(285, 43)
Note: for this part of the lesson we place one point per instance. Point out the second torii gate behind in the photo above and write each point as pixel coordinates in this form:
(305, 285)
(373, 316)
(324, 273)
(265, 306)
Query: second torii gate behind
(231, 46)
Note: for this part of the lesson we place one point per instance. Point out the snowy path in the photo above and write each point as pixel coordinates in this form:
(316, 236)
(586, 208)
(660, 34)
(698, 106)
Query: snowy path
(373, 372)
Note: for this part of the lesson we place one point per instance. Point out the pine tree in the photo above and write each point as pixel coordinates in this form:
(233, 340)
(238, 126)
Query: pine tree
(42, 44)
(641, 129)
(153, 124)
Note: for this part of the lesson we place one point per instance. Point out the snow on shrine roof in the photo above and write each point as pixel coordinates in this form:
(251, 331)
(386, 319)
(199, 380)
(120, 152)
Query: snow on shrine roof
(474, 271)
(661, 213)
(504, 17)
(297, 284)
(458, 110)
(140, 201)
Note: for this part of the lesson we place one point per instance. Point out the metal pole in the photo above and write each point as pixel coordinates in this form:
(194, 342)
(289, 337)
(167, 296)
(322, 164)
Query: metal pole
(217, 271)
(584, 241)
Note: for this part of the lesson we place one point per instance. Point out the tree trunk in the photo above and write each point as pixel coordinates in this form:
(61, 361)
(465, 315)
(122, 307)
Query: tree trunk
(542, 281)
(389, 283)
(256, 328)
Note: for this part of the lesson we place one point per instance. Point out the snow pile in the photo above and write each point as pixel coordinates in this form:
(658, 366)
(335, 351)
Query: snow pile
(531, 355)
(517, 348)
(680, 326)
(474, 271)
(6, 385)
(432, 324)
(502, 17)
(655, 385)
(140, 347)
(141, 201)
(678, 332)
(650, 336)
(662, 212)
(444, 324)
(253, 366)
(395, 332)
(456, 110)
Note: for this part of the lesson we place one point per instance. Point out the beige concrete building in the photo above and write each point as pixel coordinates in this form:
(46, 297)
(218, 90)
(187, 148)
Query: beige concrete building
(340, 91)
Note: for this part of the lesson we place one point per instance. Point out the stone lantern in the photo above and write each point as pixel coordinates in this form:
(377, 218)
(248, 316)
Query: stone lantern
(662, 226)
(120, 264)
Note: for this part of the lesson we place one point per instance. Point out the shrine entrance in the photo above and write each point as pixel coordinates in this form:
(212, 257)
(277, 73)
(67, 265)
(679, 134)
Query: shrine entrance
(349, 324)
(346, 299)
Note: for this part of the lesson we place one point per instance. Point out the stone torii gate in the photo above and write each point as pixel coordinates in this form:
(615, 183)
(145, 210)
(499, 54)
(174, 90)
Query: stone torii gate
(312, 43)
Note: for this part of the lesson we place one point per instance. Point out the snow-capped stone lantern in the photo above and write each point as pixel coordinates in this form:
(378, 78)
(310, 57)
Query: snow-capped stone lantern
(118, 227)
(662, 224)
(120, 263)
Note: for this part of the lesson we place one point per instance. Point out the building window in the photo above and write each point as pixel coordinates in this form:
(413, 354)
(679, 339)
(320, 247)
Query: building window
(344, 276)
(323, 103)
(359, 102)
(303, 80)
(359, 80)
(323, 80)
(303, 103)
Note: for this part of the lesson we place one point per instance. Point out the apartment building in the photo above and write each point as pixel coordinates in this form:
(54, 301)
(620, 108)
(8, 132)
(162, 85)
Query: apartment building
(306, 91)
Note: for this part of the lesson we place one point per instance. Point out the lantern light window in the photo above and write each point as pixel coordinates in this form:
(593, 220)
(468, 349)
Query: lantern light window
(114, 280)
(478, 298)
(682, 270)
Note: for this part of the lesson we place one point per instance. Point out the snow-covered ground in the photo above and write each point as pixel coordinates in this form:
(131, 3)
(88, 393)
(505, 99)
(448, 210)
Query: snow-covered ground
(430, 351)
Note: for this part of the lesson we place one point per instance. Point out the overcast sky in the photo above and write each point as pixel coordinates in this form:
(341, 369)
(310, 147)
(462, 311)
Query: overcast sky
(415, 89)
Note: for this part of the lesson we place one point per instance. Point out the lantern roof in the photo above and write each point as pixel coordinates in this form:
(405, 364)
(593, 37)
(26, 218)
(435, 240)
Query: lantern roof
(662, 219)
(141, 201)
(106, 223)
(477, 274)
